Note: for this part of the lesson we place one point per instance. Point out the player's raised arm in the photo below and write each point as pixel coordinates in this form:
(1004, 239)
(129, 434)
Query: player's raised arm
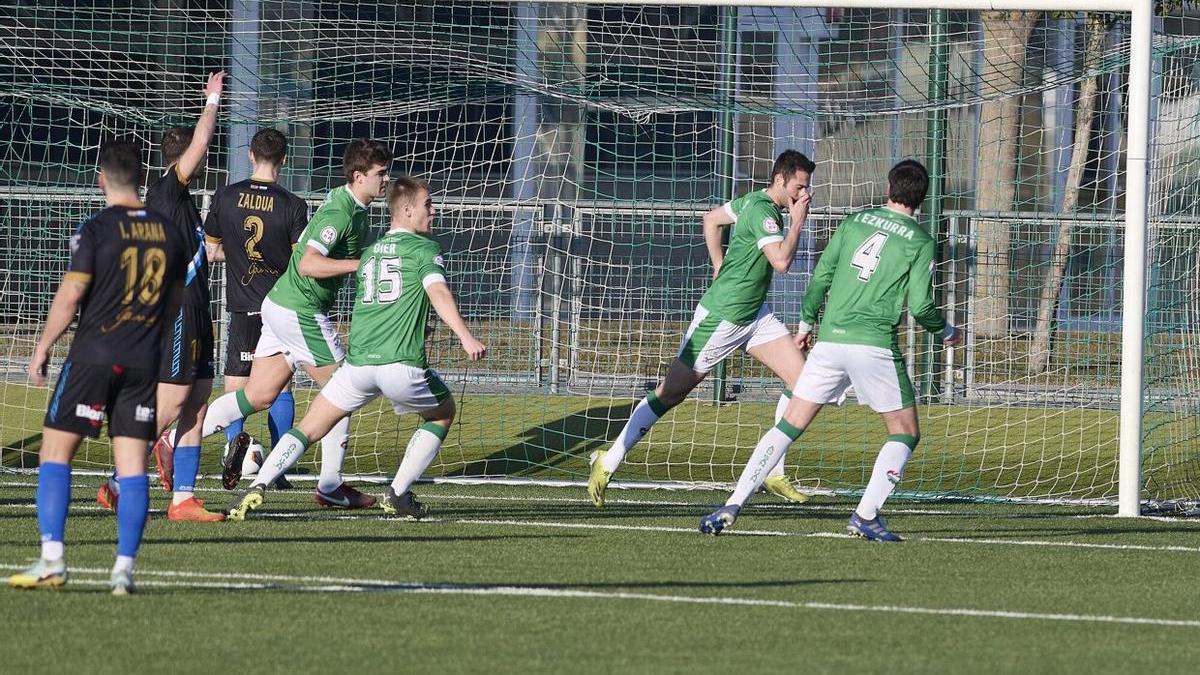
(715, 221)
(193, 156)
(443, 303)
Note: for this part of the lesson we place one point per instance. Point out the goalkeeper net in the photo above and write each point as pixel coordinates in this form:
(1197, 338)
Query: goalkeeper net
(573, 148)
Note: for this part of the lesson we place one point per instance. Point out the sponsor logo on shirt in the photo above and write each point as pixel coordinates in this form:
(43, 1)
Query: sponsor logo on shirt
(143, 413)
(247, 356)
(770, 225)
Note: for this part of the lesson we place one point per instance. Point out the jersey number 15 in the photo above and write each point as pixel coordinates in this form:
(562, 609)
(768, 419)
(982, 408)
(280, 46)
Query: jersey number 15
(381, 280)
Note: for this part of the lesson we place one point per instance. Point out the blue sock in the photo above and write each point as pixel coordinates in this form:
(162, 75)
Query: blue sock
(131, 513)
(280, 416)
(234, 428)
(53, 497)
(187, 466)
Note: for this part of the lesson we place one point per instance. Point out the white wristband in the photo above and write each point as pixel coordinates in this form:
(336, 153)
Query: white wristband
(803, 327)
(948, 332)
(213, 99)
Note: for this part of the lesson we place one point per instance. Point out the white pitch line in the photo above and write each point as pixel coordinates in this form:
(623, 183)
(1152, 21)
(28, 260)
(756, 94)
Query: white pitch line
(797, 508)
(235, 581)
(298, 515)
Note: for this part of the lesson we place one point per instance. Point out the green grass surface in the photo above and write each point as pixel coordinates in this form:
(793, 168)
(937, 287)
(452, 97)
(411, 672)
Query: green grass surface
(505, 579)
(965, 451)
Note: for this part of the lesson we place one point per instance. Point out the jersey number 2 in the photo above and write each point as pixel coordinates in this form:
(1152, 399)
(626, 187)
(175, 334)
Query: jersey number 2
(253, 225)
(866, 256)
(381, 280)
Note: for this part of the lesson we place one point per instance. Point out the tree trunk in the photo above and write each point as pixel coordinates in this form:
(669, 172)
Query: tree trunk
(1039, 350)
(1005, 38)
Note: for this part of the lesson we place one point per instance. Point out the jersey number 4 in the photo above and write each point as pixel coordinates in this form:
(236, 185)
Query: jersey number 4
(866, 256)
(381, 280)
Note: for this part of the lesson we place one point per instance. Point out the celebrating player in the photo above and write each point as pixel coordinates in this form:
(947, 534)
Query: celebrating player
(296, 331)
(252, 226)
(875, 261)
(186, 375)
(733, 313)
(126, 276)
(399, 276)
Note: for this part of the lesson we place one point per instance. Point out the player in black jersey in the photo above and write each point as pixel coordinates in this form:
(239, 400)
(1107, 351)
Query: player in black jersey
(253, 226)
(186, 373)
(126, 277)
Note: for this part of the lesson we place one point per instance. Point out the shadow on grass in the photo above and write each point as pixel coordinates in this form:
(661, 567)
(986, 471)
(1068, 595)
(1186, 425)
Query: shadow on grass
(236, 538)
(23, 453)
(601, 589)
(554, 443)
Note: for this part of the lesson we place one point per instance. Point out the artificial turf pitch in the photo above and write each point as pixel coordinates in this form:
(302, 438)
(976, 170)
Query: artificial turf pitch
(525, 579)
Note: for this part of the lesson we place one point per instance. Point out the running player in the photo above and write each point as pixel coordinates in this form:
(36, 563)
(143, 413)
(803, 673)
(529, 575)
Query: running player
(877, 260)
(399, 277)
(733, 314)
(297, 331)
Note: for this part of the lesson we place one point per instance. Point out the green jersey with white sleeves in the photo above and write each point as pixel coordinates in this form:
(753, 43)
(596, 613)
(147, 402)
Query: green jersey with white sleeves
(337, 230)
(876, 260)
(391, 306)
(740, 289)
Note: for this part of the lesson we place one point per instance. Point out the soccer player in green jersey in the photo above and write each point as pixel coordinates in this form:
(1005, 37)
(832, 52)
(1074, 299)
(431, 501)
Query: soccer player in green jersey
(296, 329)
(876, 260)
(733, 313)
(399, 277)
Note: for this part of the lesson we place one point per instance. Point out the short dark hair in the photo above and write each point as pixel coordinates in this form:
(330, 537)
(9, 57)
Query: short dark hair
(789, 162)
(908, 182)
(405, 188)
(121, 162)
(174, 142)
(269, 145)
(362, 154)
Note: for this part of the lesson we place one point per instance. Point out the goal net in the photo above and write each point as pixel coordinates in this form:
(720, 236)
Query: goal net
(573, 148)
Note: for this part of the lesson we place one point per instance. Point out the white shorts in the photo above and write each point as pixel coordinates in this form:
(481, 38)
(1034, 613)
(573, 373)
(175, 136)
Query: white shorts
(710, 340)
(305, 339)
(878, 375)
(409, 389)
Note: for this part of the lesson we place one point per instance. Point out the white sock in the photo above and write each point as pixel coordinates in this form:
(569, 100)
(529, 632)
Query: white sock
(784, 399)
(770, 448)
(333, 455)
(221, 413)
(644, 415)
(889, 467)
(422, 448)
(52, 550)
(284, 455)
(124, 562)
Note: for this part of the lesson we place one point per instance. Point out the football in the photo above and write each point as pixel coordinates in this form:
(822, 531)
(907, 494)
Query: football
(254, 457)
